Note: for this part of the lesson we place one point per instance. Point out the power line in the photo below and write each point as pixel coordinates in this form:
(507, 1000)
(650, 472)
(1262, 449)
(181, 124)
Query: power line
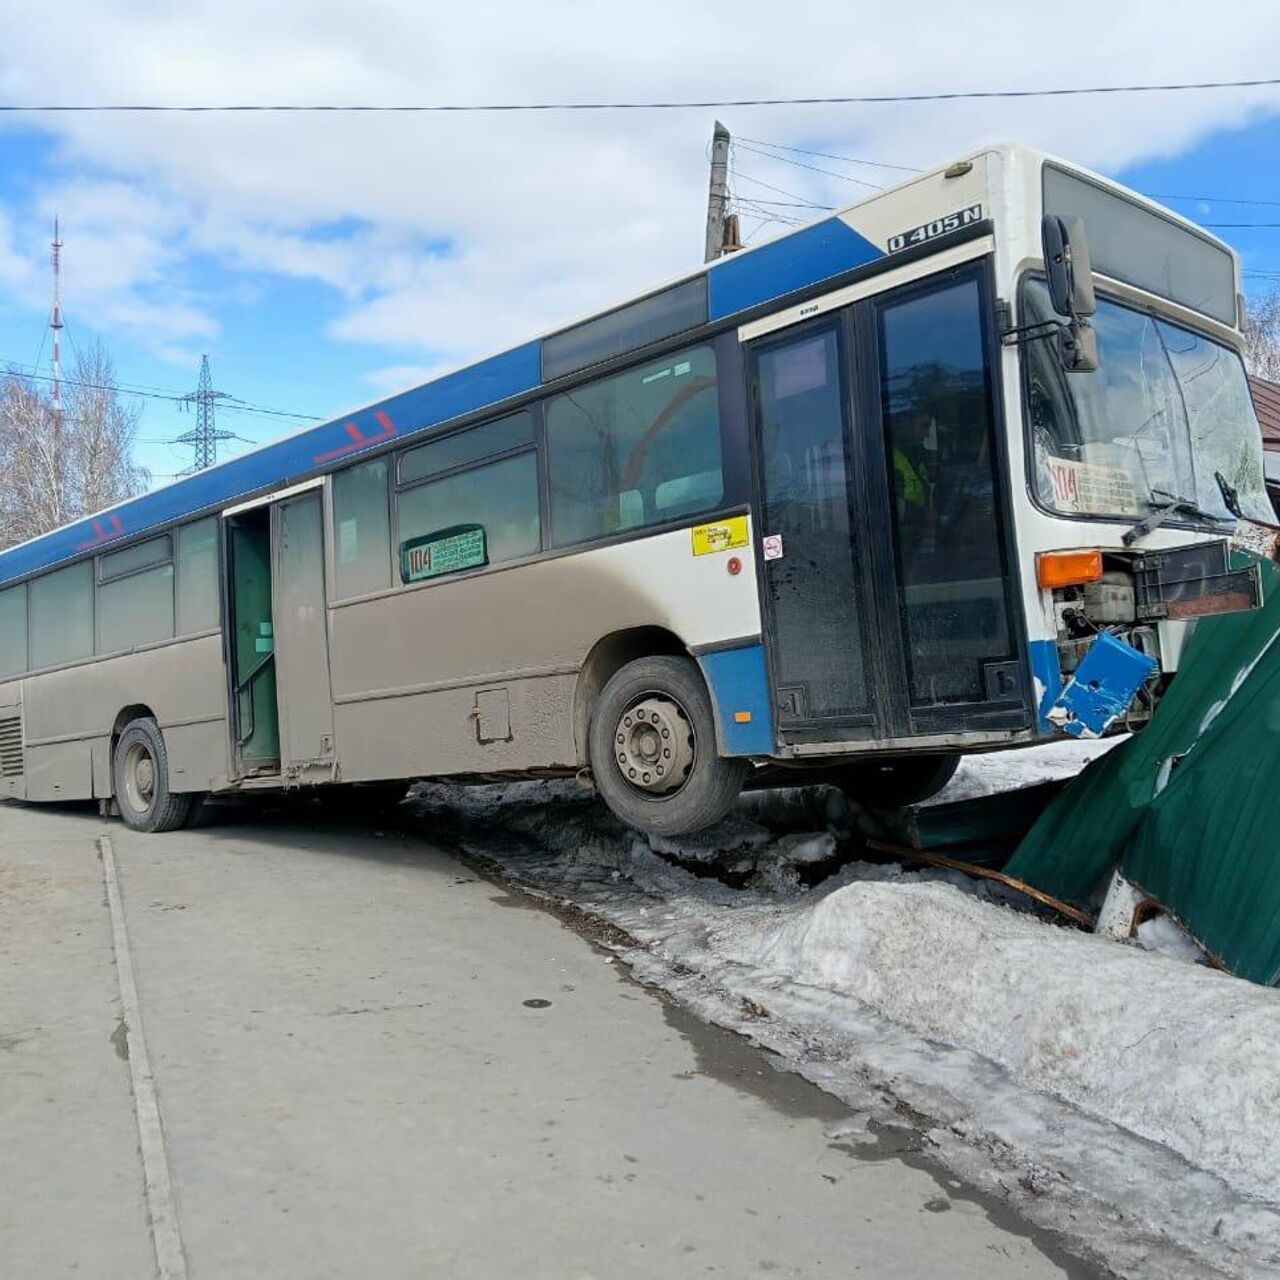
(656, 105)
(827, 155)
(813, 168)
(16, 369)
(1214, 199)
(782, 191)
(770, 215)
(1222, 225)
(783, 204)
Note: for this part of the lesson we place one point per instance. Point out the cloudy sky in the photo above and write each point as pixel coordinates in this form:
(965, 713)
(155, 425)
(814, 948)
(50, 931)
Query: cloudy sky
(321, 260)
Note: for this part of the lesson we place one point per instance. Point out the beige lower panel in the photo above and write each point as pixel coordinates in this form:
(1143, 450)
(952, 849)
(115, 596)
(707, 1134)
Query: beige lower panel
(181, 681)
(198, 755)
(100, 758)
(61, 771)
(427, 733)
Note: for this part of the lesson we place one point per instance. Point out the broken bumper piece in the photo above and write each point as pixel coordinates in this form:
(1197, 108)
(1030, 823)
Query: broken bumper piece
(1102, 689)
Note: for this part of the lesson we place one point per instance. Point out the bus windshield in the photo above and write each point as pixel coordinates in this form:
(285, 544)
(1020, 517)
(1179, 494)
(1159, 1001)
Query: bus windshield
(1166, 411)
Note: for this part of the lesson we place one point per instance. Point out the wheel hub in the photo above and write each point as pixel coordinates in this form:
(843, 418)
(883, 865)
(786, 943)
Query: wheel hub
(139, 778)
(653, 744)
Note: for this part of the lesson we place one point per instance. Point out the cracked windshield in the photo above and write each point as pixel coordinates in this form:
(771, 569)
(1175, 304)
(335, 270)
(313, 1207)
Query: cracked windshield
(1164, 412)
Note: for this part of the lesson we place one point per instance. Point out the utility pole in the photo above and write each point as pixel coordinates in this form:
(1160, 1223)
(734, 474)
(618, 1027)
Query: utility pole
(722, 226)
(204, 437)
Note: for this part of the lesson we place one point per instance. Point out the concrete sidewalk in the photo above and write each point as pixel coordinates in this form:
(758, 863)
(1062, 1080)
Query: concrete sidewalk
(371, 1063)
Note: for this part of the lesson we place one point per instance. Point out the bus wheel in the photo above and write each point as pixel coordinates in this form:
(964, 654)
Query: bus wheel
(893, 783)
(140, 774)
(652, 746)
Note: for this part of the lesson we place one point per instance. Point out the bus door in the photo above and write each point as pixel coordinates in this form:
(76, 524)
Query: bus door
(301, 634)
(883, 554)
(251, 658)
(813, 544)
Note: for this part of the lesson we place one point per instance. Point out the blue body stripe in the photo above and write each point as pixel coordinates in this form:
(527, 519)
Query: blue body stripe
(739, 682)
(737, 283)
(789, 263)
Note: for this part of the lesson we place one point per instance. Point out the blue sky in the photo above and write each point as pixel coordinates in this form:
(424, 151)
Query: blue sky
(323, 261)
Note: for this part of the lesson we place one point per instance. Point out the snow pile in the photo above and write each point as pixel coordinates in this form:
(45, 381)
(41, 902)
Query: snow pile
(985, 775)
(1174, 1052)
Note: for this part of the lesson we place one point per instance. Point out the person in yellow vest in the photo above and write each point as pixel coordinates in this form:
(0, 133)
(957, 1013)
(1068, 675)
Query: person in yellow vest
(912, 486)
(914, 461)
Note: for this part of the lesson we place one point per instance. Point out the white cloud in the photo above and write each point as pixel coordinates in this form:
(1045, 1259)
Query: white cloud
(444, 236)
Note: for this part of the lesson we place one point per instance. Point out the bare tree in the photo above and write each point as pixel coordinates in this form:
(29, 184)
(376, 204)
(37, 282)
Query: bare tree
(102, 431)
(53, 468)
(1262, 337)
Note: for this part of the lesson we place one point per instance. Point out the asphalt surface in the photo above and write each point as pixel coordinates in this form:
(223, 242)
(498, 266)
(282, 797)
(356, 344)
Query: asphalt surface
(368, 1061)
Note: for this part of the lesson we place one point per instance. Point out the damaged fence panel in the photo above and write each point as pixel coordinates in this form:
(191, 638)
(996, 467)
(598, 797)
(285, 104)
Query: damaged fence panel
(1189, 809)
(979, 829)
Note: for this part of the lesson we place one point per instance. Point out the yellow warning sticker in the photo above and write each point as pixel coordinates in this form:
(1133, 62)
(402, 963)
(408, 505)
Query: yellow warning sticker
(724, 535)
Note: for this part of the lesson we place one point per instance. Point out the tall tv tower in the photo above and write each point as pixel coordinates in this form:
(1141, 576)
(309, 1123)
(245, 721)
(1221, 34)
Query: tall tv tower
(204, 436)
(55, 323)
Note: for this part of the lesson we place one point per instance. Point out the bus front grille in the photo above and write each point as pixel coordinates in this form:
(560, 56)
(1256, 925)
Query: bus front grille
(11, 746)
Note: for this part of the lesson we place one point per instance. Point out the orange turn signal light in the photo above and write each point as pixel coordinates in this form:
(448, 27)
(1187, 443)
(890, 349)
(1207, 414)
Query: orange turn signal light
(1068, 568)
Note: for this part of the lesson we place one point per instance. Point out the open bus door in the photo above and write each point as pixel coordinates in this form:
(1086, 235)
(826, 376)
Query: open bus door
(282, 706)
(884, 567)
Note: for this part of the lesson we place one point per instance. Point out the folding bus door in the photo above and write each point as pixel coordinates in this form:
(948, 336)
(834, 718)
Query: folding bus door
(944, 587)
(302, 638)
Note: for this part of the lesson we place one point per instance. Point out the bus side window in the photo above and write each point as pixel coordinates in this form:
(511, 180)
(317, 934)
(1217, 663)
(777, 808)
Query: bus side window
(636, 448)
(61, 607)
(13, 631)
(135, 595)
(198, 577)
(469, 499)
(501, 498)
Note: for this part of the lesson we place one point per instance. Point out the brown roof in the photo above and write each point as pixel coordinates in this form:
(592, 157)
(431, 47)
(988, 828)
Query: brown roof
(1266, 402)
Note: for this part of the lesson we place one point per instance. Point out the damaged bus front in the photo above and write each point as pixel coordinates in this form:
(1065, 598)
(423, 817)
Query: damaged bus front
(1143, 453)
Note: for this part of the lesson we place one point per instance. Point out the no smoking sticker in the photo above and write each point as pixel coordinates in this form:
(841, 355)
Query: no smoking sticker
(772, 545)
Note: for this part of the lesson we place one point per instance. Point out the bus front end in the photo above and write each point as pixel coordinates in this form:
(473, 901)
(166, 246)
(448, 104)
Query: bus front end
(1141, 451)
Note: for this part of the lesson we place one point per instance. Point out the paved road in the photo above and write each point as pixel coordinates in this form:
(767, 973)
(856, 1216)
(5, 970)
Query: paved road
(369, 1062)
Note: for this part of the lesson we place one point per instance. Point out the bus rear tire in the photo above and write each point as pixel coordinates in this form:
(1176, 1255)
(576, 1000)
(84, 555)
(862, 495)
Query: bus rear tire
(652, 747)
(894, 783)
(140, 778)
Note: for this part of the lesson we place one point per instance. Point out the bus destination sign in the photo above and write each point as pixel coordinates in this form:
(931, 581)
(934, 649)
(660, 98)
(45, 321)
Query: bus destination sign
(446, 551)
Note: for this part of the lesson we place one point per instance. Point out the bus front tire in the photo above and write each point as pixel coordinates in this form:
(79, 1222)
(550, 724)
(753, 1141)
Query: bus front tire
(140, 778)
(652, 748)
(894, 783)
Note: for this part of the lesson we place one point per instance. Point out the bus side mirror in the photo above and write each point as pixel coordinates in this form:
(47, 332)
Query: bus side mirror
(1070, 275)
(1066, 261)
(1078, 347)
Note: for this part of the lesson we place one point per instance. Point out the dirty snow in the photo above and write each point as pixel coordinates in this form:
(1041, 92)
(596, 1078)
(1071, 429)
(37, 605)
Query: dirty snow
(1059, 1010)
(1114, 1091)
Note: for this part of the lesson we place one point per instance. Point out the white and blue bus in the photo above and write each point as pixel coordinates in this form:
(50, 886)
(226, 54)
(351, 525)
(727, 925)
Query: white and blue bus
(912, 481)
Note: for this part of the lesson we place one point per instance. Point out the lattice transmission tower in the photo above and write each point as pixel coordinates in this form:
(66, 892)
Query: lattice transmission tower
(204, 436)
